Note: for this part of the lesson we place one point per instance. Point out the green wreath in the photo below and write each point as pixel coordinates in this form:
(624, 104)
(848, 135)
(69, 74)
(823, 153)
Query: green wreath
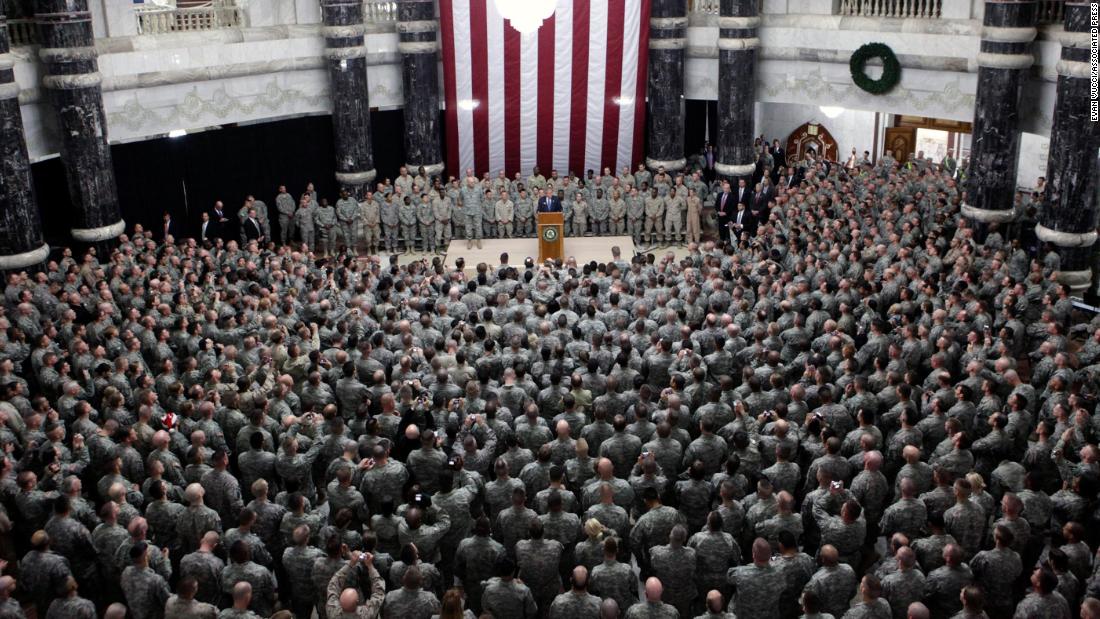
(891, 68)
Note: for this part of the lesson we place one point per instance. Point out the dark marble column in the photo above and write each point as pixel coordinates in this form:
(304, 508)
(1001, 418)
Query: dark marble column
(73, 80)
(417, 27)
(737, 43)
(21, 243)
(665, 117)
(347, 62)
(1007, 32)
(1068, 216)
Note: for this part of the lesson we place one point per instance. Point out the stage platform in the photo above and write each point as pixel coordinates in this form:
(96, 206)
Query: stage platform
(583, 249)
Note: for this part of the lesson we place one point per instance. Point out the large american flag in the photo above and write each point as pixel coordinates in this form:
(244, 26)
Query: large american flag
(568, 97)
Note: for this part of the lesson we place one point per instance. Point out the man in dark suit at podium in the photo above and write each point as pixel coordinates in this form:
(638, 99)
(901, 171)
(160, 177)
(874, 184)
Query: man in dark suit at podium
(549, 203)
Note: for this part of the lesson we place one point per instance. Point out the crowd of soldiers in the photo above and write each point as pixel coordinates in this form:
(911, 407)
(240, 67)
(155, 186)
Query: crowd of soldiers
(421, 213)
(873, 408)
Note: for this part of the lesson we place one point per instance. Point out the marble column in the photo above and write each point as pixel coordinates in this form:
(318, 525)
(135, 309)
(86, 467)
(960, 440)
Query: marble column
(21, 243)
(665, 116)
(737, 43)
(347, 63)
(1008, 29)
(1068, 216)
(72, 78)
(416, 29)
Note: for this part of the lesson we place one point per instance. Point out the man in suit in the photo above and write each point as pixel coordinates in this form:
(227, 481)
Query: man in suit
(768, 189)
(723, 203)
(220, 221)
(759, 200)
(252, 229)
(778, 154)
(206, 229)
(743, 193)
(742, 223)
(709, 158)
(170, 226)
(549, 203)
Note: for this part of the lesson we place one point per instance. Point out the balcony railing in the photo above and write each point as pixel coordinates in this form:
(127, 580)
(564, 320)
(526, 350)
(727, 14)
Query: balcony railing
(162, 20)
(22, 32)
(705, 7)
(379, 11)
(713, 7)
(1050, 11)
(903, 9)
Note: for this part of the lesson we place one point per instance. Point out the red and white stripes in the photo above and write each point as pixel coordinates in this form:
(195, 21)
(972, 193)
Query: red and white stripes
(568, 97)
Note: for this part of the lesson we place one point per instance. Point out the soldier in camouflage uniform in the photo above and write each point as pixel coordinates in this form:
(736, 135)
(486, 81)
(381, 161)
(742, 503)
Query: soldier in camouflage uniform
(443, 213)
(834, 583)
(197, 519)
(616, 214)
(525, 215)
(674, 565)
(642, 176)
(242, 569)
(284, 204)
(1044, 599)
(996, 570)
(489, 225)
(72, 606)
(146, 591)
(472, 196)
(475, 561)
(577, 602)
(298, 561)
(653, 528)
(505, 212)
(580, 214)
(505, 595)
(326, 224)
(342, 596)
(538, 560)
(757, 588)
(425, 216)
(601, 213)
(635, 215)
(304, 221)
(410, 600)
(652, 607)
(347, 213)
(391, 224)
(406, 213)
(613, 579)
(43, 573)
(943, 584)
(675, 205)
(904, 586)
(654, 210)
(206, 568)
(370, 223)
(716, 552)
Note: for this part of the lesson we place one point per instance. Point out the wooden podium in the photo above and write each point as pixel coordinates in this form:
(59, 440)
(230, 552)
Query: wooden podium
(551, 230)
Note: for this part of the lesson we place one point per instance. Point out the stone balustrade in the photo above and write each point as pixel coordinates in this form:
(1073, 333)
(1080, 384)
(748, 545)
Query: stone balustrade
(899, 9)
(704, 7)
(163, 20)
(379, 11)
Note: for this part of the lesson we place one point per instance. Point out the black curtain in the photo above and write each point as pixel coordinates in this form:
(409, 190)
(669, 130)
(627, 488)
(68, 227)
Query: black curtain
(186, 175)
(696, 112)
